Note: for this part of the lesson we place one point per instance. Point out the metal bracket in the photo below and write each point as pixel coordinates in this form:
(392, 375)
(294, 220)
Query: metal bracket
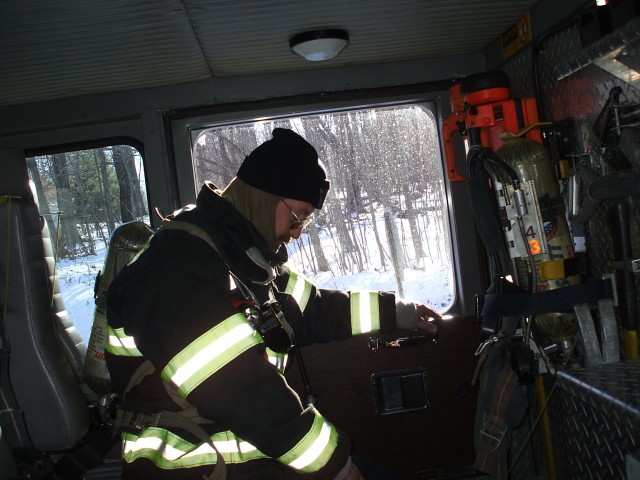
(627, 265)
(519, 245)
(606, 350)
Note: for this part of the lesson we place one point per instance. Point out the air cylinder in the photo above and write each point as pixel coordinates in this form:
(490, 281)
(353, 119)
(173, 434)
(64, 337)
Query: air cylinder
(126, 241)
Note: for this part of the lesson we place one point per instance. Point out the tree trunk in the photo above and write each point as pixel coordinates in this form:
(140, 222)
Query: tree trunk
(412, 215)
(318, 252)
(139, 208)
(43, 202)
(83, 203)
(396, 249)
(70, 236)
(124, 181)
(105, 190)
(383, 263)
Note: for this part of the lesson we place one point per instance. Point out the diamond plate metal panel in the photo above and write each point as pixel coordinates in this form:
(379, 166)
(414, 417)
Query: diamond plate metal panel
(580, 96)
(595, 413)
(527, 460)
(520, 75)
(596, 420)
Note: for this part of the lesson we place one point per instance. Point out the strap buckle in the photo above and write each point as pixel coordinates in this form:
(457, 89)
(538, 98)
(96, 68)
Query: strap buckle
(488, 342)
(490, 435)
(140, 421)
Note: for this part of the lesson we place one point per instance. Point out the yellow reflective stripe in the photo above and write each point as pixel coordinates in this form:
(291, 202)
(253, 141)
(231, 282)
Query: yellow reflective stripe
(299, 288)
(278, 360)
(365, 312)
(119, 343)
(210, 352)
(169, 451)
(315, 449)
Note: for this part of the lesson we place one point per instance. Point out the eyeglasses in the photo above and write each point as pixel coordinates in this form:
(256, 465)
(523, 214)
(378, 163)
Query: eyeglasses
(298, 222)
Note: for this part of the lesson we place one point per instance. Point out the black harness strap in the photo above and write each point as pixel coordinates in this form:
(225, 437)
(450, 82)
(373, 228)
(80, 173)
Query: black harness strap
(192, 229)
(557, 300)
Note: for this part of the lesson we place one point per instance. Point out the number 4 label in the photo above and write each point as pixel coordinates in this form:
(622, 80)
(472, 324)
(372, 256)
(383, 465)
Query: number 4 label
(530, 232)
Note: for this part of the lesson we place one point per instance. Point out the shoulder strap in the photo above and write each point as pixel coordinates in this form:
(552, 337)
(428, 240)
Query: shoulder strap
(194, 230)
(202, 234)
(252, 253)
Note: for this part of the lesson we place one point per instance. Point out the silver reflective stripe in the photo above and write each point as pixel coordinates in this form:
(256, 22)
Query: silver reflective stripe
(314, 451)
(119, 343)
(210, 352)
(169, 451)
(365, 312)
(299, 288)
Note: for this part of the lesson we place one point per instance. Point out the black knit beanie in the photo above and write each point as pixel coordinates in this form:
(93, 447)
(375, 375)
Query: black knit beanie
(288, 166)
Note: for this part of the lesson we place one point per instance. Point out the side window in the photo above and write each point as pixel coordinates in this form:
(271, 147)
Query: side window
(384, 225)
(83, 196)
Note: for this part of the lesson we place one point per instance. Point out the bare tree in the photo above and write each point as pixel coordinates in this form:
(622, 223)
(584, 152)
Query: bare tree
(378, 160)
(104, 186)
(68, 218)
(43, 202)
(131, 204)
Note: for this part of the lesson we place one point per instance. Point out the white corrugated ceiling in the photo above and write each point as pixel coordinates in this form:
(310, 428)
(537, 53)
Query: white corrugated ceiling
(68, 48)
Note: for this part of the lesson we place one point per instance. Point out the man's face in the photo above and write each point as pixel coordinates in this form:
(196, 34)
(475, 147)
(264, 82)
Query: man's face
(289, 215)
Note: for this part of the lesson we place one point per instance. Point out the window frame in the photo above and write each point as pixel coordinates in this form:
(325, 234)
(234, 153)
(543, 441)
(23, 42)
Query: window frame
(84, 325)
(182, 123)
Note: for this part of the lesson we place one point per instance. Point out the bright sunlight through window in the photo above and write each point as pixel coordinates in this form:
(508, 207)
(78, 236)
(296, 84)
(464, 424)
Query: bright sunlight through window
(384, 225)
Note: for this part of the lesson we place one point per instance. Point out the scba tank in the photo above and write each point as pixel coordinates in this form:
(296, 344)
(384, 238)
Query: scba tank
(126, 242)
(531, 161)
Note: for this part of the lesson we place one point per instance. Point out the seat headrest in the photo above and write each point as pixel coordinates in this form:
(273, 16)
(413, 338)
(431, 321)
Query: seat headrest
(14, 180)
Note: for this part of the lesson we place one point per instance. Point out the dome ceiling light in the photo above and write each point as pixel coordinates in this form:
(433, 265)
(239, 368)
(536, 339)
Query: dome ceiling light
(319, 45)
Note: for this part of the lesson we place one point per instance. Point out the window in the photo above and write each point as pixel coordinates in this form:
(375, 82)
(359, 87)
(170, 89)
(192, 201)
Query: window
(83, 196)
(384, 225)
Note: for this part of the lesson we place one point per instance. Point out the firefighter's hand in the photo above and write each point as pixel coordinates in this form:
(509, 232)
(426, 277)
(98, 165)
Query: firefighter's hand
(426, 319)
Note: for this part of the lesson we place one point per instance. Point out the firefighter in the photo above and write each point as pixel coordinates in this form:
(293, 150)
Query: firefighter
(203, 393)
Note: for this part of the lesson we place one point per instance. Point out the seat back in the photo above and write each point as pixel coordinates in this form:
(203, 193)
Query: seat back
(70, 339)
(45, 386)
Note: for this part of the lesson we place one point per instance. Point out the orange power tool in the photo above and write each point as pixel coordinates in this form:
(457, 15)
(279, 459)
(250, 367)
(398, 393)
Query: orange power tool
(481, 111)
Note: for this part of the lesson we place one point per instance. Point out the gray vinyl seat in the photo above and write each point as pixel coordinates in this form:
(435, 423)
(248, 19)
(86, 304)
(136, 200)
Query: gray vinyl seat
(45, 352)
(8, 467)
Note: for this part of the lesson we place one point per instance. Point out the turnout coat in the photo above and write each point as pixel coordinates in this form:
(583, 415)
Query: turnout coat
(176, 307)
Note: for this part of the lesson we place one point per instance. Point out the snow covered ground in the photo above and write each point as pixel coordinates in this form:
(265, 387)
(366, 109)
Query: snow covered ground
(427, 280)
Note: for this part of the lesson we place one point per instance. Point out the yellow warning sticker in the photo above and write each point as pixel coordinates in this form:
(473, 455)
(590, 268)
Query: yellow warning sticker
(516, 36)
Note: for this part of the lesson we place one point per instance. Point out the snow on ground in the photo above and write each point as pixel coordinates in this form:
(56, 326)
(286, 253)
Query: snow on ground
(432, 284)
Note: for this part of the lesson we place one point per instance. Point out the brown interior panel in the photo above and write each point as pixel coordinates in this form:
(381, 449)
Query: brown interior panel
(440, 436)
